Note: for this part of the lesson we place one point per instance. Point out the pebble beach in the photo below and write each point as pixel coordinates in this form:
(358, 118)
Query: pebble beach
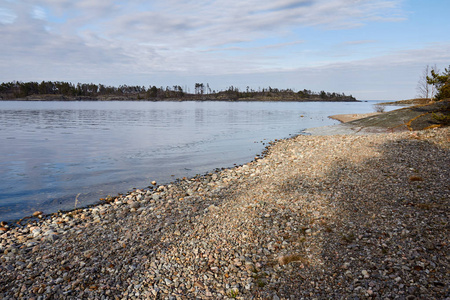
(315, 217)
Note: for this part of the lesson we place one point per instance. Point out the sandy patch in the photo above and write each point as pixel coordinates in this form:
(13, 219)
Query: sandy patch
(352, 117)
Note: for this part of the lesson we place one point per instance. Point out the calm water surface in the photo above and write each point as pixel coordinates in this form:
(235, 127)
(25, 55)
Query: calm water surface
(52, 151)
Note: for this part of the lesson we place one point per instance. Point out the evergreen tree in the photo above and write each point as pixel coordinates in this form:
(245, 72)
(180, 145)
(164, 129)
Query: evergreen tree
(441, 82)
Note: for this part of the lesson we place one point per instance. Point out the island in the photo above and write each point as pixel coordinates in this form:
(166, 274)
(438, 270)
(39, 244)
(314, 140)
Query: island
(66, 91)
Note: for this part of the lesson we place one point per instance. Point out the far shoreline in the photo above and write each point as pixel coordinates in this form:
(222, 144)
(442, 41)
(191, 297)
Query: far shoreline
(267, 99)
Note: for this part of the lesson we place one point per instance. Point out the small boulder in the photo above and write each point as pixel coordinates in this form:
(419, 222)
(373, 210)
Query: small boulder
(37, 213)
(134, 205)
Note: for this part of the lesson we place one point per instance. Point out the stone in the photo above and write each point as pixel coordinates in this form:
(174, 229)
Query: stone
(214, 269)
(134, 204)
(249, 265)
(49, 232)
(52, 237)
(36, 232)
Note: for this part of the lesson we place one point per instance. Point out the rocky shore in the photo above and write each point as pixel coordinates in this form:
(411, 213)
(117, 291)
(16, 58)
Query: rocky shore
(318, 217)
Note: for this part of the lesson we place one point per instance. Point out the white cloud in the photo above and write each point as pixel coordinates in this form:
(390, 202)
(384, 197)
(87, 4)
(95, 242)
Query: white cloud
(97, 39)
(359, 42)
(39, 13)
(7, 16)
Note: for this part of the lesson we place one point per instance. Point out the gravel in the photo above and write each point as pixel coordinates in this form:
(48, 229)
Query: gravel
(318, 217)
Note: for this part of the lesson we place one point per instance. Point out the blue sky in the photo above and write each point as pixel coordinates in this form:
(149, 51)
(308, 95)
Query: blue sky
(372, 49)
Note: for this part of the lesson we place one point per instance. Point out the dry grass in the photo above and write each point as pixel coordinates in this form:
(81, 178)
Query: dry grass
(415, 178)
(433, 126)
(285, 259)
(425, 205)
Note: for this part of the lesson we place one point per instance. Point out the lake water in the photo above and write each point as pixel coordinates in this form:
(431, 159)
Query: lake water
(52, 151)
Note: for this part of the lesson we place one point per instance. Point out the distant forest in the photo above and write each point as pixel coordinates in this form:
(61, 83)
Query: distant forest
(58, 90)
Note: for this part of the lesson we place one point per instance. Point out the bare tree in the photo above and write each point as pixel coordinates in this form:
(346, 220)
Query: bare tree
(424, 89)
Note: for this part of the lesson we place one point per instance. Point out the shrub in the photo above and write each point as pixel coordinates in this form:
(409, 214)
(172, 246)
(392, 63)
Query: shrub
(442, 118)
(379, 108)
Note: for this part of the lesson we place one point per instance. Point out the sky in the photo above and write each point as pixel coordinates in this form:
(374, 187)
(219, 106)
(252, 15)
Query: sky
(371, 49)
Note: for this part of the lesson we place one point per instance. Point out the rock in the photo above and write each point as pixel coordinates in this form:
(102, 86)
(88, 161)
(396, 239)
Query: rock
(212, 207)
(31, 244)
(134, 205)
(49, 232)
(249, 265)
(52, 237)
(36, 232)
(37, 213)
(199, 285)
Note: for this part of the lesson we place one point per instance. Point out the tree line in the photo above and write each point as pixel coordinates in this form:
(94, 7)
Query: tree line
(18, 89)
(287, 94)
(70, 91)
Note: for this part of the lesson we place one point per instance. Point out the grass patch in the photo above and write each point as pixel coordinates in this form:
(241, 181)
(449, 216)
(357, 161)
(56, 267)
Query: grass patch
(233, 293)
(285, 259)
(415, 178)
(425, 206)
(260, 283)
(349, 237)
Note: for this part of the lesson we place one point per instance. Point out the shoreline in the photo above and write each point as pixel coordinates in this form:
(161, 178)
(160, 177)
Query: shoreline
(339, 129)
(323, 130)
(8, 211)
(309, 208)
